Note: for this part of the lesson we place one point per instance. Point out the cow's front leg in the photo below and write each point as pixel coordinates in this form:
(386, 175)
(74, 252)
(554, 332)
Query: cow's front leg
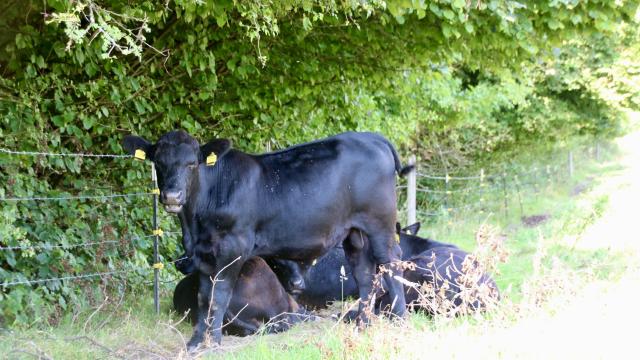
(213, 299)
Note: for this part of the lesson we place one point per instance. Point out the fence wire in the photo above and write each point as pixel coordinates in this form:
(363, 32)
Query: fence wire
(40, 153)
(47, 247)
(71, 277)
(84, 276)
(86, 244)
(74, 197)
(447, 178)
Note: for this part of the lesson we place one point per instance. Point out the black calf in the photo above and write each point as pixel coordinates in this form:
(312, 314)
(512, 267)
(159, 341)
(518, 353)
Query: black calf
(438, 264)
(453, 283)
(258, 298)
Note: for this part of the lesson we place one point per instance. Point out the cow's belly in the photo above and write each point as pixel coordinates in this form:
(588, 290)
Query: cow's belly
(299, 245)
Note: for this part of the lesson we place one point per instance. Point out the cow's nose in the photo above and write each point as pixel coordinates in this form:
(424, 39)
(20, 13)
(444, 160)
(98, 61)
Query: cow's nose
(172, 197)
(298, 284)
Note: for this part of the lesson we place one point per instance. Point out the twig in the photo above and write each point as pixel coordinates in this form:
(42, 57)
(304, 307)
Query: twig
(94, 342)
(84, 328)
(213, 285)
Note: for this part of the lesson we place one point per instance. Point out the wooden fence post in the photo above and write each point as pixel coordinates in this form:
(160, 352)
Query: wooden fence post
(504, 194)
(571, 164)
(481, 191)
(411, 192)
(446, 192)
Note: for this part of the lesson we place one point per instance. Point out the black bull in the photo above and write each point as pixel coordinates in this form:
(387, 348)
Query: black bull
(295, 204)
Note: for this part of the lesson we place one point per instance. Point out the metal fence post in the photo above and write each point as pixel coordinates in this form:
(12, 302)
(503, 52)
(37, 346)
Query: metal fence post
(156, 232)
(411, 192)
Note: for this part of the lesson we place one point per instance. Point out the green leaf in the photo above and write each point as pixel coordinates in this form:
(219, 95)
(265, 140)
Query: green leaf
(448, 14)
(458, 4)
(468, 27)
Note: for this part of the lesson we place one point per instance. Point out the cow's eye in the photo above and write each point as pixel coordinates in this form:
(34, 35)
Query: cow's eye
(192, 166)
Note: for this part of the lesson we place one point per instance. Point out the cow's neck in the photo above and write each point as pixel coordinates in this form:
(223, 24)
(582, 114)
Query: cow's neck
(215, 184)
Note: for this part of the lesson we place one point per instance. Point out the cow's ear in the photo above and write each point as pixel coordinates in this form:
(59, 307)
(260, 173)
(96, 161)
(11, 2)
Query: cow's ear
(218, 147)
(138, 147)
(398, 228)
(412, 229)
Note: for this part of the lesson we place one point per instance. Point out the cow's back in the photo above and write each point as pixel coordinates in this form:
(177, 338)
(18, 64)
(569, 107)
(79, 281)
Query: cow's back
(321, 190)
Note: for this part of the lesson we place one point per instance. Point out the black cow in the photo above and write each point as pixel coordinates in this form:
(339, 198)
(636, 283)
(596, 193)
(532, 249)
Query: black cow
(441, 265)
(444, 270)
(295, 204)
(258, 298)
(322, 283)
(412, 244)
(436, 263)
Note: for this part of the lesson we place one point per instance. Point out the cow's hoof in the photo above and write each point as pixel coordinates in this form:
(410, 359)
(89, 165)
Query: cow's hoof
(194, 343)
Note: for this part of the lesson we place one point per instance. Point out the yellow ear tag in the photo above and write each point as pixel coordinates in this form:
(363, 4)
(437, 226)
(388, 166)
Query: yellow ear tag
(211, 159)
(140, 154)
(397, 238)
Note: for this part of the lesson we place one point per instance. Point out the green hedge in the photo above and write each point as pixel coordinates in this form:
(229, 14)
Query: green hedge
(452, 80)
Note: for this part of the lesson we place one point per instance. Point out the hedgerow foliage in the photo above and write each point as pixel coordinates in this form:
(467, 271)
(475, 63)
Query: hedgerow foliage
(76, 75)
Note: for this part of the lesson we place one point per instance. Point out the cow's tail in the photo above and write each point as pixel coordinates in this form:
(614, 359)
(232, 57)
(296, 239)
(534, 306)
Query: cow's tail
(402, 170)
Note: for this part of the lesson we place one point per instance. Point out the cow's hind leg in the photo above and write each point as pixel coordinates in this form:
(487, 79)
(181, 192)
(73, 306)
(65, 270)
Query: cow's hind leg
(356, 249)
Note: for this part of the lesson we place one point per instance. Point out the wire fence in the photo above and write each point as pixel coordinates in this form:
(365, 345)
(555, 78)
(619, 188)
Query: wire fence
(440, 196)
(25, 245)
(437, 196)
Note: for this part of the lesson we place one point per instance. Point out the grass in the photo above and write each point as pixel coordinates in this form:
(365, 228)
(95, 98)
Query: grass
(540, 255)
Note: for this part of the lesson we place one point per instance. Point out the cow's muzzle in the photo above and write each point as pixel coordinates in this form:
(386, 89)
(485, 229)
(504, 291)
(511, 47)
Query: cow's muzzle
(172, 200)
(297, 286)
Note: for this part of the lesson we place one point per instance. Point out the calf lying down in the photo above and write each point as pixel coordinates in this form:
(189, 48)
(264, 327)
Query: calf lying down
(445, 279)
(258, 299)
(440, 277)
